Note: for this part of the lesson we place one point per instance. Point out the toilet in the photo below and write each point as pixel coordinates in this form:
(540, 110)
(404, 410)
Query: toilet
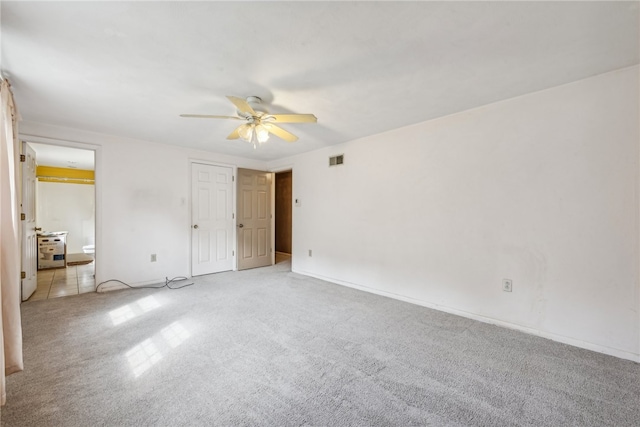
(48, 252)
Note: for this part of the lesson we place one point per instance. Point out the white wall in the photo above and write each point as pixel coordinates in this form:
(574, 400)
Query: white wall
(67, 207)
(142, 199)
(541, 189)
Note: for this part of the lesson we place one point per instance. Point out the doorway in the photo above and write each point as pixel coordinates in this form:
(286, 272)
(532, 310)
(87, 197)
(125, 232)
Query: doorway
(283, 211)
(59, 229)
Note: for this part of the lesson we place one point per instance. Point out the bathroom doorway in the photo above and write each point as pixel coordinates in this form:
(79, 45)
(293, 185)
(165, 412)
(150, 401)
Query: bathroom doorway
(65, 221)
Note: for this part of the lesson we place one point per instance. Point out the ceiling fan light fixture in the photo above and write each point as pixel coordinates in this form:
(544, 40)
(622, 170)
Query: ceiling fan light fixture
(246, 132)
(262, 133)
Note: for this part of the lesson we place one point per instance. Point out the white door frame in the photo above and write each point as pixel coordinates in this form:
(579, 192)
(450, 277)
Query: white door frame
(234, 172)
(97, 149)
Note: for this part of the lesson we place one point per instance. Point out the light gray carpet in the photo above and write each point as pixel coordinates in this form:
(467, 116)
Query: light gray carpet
(269, 347)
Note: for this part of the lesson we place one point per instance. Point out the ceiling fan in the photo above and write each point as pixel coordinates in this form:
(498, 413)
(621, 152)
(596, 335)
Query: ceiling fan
(259, 123)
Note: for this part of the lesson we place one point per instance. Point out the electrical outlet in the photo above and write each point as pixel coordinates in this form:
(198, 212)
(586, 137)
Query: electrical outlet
(507, 285)
(153, 258)
(310, 252)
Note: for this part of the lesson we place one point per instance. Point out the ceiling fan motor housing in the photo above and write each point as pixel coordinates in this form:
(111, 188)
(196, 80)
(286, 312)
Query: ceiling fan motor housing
(256, 103)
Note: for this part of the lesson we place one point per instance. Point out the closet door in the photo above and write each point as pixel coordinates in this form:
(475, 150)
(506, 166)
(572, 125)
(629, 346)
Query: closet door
(211, 219)
(254, 219)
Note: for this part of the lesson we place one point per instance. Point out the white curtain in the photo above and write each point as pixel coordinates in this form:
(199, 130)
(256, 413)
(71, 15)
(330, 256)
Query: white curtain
(10, 324)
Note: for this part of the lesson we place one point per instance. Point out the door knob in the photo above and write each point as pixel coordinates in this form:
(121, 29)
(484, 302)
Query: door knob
(38, 229)
(240, 226)
(195, 226)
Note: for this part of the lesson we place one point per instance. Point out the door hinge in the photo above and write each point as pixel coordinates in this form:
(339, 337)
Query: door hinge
(23, 217)
(23, 158)
(233, 253)
(233, 178)
(23, 275)
(233, 216)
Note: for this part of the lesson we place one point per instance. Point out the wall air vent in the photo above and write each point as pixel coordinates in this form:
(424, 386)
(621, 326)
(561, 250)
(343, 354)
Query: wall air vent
(336, 160)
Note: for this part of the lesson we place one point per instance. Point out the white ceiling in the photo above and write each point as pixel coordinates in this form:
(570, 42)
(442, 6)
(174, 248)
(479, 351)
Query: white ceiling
(63, 157)
(130, 68)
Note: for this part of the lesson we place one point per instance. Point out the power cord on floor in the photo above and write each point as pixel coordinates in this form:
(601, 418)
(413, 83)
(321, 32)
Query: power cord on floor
(167, 284)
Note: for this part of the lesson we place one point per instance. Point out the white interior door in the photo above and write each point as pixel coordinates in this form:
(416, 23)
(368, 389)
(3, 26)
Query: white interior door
(254, 219)
(29, 239)
(211, 219)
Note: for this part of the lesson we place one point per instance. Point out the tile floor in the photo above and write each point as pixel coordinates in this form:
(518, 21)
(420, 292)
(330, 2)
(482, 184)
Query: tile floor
(60, 282)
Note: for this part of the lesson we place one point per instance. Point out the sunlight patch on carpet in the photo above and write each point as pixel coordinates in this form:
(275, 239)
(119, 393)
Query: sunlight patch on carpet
(150, 351)
(127, 312)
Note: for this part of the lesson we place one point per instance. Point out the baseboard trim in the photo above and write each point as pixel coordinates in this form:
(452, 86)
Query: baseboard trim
(622, 354)
(116, 286)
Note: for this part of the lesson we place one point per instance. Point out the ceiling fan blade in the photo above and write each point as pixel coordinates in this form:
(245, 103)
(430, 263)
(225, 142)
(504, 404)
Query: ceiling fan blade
(207, 116)
(280, 133)
(235, 134)
(242, 105)
(293, 118)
